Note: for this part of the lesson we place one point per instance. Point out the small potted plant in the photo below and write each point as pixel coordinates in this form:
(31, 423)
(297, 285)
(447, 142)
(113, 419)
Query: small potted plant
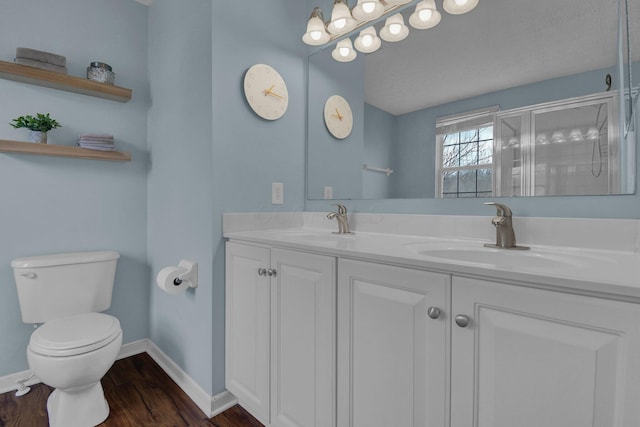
(38, 125)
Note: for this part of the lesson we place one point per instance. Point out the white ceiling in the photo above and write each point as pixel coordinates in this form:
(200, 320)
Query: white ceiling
(500, 44)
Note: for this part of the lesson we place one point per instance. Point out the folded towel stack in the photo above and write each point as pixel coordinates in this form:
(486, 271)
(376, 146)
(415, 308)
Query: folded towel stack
(100, 142)
(40, 59)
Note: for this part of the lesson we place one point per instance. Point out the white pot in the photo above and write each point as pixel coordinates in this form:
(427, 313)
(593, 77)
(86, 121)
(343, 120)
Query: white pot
(37, 136)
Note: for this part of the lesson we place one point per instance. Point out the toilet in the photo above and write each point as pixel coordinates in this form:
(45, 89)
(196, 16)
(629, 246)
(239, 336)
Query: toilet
(76, 344)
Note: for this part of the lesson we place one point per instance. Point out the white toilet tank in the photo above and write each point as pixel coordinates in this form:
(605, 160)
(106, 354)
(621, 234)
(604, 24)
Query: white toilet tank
(60, 285)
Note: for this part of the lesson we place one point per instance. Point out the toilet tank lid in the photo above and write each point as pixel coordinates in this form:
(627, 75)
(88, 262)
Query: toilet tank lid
(64, 259)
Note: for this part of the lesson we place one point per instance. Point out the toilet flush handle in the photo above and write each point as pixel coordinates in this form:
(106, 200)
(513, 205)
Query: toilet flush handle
(30, 275)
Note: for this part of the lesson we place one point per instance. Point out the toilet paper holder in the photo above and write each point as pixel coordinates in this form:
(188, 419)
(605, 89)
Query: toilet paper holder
(190, 275)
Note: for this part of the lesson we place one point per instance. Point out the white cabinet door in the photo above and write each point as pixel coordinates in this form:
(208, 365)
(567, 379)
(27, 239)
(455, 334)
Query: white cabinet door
(392, 357)
(532, 358)
(303, 325)
(247, 328)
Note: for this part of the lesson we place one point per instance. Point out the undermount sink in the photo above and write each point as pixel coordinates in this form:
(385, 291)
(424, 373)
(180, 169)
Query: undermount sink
(477, 253)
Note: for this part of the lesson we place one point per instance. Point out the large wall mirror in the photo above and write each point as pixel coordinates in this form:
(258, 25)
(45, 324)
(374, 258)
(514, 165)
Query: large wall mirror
(515, 98)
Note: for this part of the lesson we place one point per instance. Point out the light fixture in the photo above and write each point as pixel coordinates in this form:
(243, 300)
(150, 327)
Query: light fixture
(576, 135)
(341, 19)
(316, 34)
(425, 16)
(345, 22)
(593, 134)
(368, 41)
(368, 10)
(542, 139)
(344, 51)
(458, 7)
(558, 137)
(394, 29)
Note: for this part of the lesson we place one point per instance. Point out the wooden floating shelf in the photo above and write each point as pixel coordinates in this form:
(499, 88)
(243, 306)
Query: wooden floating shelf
(20, 147)
(51, 79)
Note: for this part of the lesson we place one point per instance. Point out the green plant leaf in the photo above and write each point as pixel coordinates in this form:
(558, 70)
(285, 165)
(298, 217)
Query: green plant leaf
(41, 123)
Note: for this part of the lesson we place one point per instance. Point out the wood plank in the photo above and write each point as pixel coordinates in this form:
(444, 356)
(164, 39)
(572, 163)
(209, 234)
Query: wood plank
(51, 79)
(139, 393)
(20, 147)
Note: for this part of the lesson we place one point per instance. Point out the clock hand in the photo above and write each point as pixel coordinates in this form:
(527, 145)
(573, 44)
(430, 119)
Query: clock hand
(339, 116)
(273, 94)
(268, 91)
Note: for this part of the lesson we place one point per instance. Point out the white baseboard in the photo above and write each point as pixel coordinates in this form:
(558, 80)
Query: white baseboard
(221, 402)
(132, 348)
(10, 382)
(210, 405)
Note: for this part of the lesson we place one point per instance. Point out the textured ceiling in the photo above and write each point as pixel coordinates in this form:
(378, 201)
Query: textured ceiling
(500, 44)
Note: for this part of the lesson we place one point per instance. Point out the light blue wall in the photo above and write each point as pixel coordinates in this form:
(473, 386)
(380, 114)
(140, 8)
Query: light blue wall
(250, 153)
(58, 204)
(414, 158)
(180, 179)
(379, 151)
(336, 162)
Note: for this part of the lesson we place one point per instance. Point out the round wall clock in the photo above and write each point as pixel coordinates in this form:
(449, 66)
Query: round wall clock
(266, 91)
(338, 116)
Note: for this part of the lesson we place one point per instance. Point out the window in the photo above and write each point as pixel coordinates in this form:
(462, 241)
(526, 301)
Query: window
(465, 155)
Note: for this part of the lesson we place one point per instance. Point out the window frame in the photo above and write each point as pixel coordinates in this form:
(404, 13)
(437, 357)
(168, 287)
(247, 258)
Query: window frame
(472, 120)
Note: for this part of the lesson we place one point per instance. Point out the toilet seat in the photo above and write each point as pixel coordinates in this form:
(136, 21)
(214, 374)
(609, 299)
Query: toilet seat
(74, 335)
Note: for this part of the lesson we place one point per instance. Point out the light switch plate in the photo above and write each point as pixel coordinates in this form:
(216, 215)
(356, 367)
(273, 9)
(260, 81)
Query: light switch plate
(328, 193)
(277, 193)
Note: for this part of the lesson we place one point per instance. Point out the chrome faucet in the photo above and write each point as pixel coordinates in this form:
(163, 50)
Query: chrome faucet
(505, 236)
(343, 221)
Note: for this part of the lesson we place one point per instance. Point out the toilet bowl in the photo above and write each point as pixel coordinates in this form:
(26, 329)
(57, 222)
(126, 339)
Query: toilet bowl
(72, 354)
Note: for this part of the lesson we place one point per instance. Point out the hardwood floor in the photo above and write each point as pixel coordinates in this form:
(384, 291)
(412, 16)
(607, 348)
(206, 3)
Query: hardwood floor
(139, 393)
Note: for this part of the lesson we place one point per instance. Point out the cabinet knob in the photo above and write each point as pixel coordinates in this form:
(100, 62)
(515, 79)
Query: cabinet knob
(462, 320)
(262, 272)
(271, 272)
(433, 312)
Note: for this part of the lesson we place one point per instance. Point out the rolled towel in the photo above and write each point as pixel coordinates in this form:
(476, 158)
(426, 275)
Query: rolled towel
(42, 65)
(42, 56)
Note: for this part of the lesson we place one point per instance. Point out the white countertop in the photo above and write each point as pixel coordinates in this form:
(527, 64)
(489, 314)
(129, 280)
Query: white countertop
(608, 273)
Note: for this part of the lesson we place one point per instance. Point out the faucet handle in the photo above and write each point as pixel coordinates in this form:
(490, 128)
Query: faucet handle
(503, 210)
(342, 210)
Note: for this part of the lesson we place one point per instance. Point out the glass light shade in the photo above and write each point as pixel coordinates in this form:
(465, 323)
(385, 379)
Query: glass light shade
(316, 34)
(576, 135)
(593, 134)
(368, 10)
(542, 139)
(458, 7)
(368, 41)
(425, 16)
(394, 29)
(558, 137)
(344, 51)
(341, 19)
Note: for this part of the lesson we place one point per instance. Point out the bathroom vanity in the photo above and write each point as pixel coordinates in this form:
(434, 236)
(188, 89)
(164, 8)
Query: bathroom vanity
(377, 329)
